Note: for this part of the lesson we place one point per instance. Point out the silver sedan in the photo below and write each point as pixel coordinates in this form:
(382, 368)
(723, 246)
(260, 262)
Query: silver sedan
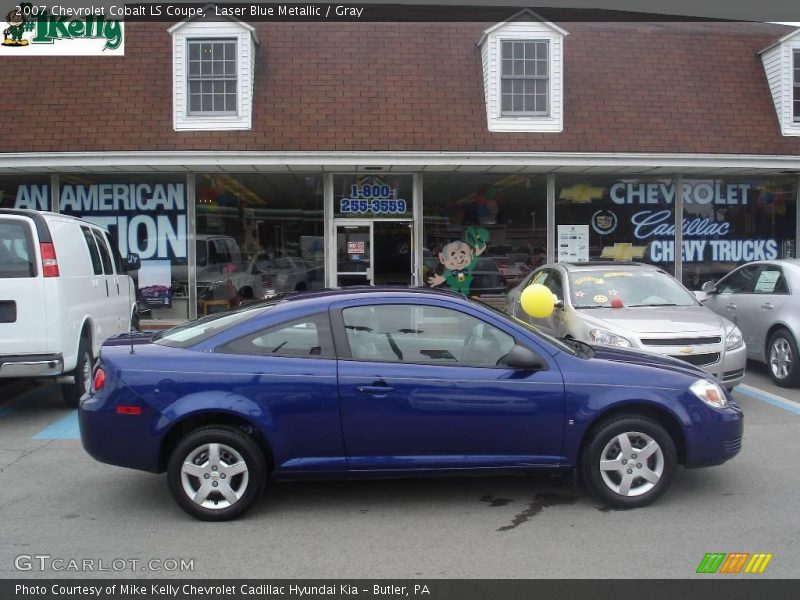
(634, 305)
(763, 299)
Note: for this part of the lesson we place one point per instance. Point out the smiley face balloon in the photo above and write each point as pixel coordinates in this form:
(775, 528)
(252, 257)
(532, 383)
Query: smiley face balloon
(537, 301)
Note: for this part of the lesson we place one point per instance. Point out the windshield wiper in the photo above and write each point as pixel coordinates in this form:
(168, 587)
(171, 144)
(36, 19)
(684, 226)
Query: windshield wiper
(580, 347)
(654, 305)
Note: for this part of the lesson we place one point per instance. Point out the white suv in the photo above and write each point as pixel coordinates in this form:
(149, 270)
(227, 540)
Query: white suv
(64, 289)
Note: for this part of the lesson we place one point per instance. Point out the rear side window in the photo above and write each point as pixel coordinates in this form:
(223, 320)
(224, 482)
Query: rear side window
(194, 332)
(105, 257)
(309, 337)
(97, 265)
(17, 256)
(115, 253)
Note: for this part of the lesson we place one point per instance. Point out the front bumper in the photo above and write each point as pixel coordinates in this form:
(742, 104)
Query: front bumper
(726, 366)
(31, 365)
(715, 436)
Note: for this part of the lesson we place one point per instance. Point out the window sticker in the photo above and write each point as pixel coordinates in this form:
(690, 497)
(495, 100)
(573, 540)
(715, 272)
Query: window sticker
(588, 279)
(618, 274)
(767, 281)
(600, 299)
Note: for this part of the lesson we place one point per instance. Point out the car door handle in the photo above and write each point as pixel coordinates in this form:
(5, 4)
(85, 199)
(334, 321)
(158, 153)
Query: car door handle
(375, 389)
(731, 307)
(768, 306)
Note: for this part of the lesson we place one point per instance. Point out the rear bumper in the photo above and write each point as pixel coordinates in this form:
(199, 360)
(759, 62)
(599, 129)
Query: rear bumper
(32, 365)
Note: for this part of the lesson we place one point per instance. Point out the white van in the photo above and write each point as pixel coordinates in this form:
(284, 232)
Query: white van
(64, 289)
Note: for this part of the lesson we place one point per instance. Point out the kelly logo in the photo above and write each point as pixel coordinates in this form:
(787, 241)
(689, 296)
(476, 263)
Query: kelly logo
(734, 563)
(88, 34)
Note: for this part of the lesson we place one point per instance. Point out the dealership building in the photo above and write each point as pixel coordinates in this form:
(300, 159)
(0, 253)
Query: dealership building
(246, 158)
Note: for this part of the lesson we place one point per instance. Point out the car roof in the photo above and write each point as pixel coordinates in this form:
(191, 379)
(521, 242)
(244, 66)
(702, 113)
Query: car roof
(593, 265)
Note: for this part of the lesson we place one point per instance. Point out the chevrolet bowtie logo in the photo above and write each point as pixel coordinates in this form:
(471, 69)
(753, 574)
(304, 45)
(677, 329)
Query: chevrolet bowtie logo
(623, 251)
(581, 193)
(686, 350)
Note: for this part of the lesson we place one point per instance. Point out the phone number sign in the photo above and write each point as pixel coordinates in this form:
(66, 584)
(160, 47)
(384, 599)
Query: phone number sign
(375, 199)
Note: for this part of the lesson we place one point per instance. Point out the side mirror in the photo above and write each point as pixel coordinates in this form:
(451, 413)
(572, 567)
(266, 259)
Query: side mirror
(558, 303)
(132, 263)
(709, 287)
(701, 296)
(525, 359)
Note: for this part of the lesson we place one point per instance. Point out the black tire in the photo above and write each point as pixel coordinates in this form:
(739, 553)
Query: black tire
(190, 449)
(603, 438)
(782, 345)
(72, 392)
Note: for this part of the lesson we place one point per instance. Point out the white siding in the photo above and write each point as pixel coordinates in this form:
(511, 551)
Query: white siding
(490, 55)
(772, 67)
(246, 64)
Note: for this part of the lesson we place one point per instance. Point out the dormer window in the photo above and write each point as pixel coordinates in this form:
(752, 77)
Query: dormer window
(524, 81)
(523, 74)
(796, 85)
(781, 63)
(212, 77)
(213, 74)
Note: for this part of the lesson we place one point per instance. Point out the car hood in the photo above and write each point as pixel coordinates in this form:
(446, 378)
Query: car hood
(648, 359)
(661, 319)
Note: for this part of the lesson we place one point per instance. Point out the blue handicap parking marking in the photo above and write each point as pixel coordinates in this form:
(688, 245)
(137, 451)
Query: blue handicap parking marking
(65, 428)
(768, 397)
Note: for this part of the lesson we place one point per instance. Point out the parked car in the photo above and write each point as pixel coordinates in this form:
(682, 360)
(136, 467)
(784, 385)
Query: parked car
(655, 313)
(289, 273)
(763, 299)
(64, 289)
(222, 271)
(418, 381)
(513, 271)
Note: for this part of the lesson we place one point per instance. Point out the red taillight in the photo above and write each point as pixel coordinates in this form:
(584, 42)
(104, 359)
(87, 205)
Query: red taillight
(49, 261)
(129, 410)
(99, 379)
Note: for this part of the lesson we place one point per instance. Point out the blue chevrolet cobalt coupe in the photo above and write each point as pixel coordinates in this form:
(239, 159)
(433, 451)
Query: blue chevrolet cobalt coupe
(393, 382)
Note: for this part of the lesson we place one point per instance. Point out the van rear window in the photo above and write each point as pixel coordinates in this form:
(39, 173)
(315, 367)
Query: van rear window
(17, 256)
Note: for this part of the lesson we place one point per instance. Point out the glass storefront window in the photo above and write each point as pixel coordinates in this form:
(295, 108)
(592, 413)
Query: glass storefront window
(483, 233)
(27, 191)
(616, 219)
(146, 215)
(731, 221)
(257, 236)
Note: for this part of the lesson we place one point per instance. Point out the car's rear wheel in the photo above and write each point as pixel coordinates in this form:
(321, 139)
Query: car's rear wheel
(628, 461)
(782, 359)
(216, 473)
(82, 375)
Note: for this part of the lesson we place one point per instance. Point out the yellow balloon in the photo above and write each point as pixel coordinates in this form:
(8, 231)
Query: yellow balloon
(537, 301)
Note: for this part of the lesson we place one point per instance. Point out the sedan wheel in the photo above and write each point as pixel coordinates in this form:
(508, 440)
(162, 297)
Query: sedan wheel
(782, 359)
(629, 461)
(216, 473)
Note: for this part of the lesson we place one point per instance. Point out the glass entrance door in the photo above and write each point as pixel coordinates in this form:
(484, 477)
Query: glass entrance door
(354, 254)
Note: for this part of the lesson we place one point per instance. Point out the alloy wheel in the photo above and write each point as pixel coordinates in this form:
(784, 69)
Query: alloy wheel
(780, 358)
(631, 464)
(214, 476)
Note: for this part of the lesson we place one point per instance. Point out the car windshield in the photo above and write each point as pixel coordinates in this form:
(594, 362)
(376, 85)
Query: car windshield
(198, 330)
(604, 288)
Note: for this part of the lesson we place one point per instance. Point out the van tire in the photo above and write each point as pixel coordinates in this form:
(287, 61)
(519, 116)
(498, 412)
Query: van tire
(72, 392)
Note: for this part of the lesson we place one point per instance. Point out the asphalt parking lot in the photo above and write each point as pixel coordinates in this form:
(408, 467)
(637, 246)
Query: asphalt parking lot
(56, 501)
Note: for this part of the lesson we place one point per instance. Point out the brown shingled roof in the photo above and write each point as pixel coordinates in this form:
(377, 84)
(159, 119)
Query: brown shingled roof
(629, 87)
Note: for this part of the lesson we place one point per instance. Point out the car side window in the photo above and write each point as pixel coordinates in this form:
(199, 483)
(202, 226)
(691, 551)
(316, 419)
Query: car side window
(554, 285)
(97, 264)
(105, 257)
(422, 334)
(541, 277)
(120, 264)
(771, 280)
(308, 337)
(741, 281)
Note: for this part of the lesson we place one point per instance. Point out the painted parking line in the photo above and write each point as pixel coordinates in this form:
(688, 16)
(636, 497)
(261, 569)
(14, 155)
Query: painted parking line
(768, 397)
(65, 428)
(19, 401)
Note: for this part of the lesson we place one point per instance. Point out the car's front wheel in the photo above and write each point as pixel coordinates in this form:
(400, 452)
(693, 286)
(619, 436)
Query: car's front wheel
(216, 473)
(628, 461)
(782, 359)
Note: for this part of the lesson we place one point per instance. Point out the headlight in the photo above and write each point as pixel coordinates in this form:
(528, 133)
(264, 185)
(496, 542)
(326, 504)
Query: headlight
(734, 339)
(709, 392)
(606, 338)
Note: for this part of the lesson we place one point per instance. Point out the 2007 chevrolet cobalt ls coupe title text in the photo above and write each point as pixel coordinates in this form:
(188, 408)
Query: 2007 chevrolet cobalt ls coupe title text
(377, 382)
